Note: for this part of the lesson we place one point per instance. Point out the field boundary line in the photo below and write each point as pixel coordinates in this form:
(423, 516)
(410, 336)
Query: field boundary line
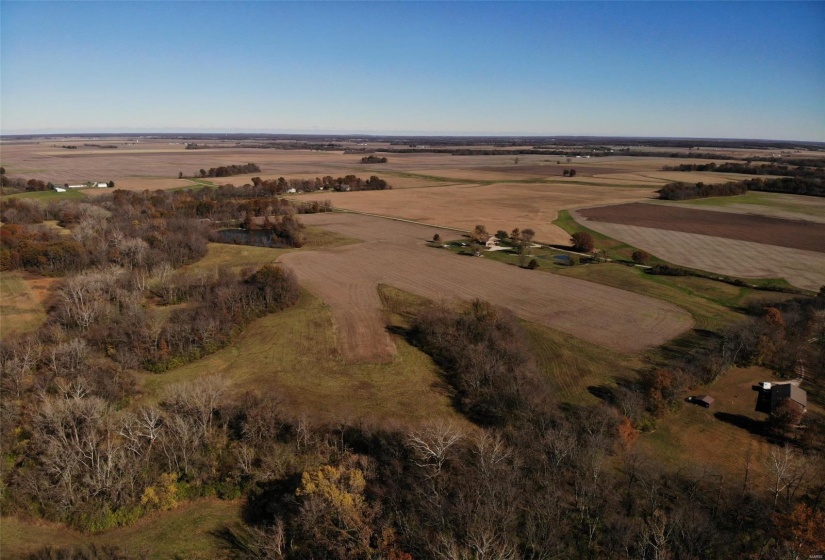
(345, 211)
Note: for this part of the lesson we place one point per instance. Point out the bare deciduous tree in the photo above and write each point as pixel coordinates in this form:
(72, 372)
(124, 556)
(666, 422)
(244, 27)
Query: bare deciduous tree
(432, 445)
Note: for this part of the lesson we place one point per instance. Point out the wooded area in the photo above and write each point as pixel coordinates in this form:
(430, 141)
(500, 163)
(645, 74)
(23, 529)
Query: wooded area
(521, 476)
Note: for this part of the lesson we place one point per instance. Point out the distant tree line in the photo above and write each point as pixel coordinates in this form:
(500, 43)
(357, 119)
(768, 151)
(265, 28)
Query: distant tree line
(102, 146)
(327, 183)
(226, 171)
(765, 169)
(687, 191)
(788, 185)
(373, 159)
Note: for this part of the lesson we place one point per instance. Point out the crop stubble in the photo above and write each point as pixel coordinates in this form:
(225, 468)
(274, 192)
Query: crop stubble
(712, 252)
(394, 253)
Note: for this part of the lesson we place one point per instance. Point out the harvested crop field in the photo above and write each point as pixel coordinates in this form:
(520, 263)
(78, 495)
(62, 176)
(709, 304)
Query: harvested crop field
(498, 206)
(732, 257)
(395, 253)
(794, 234)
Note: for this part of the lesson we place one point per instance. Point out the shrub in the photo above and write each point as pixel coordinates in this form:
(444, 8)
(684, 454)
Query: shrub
(640, 257)
(582, 241)
(533, 264)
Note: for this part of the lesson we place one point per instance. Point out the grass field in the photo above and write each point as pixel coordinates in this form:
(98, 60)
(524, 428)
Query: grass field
(295, 353)
(21, 307)
(768, 204)
(48, 196)
(191, 531)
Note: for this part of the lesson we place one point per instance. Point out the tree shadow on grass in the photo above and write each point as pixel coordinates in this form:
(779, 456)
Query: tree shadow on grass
(755, 427)
(603, 392)
(611, 394)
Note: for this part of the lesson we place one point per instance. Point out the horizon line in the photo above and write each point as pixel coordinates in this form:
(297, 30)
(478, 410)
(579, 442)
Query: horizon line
(395, 134)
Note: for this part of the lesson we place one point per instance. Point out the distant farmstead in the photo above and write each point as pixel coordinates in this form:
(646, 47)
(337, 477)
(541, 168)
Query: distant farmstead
(492, 242)
(89, 185)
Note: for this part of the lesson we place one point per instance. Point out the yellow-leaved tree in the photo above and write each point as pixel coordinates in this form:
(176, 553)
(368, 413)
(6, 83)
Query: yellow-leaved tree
(335, 520)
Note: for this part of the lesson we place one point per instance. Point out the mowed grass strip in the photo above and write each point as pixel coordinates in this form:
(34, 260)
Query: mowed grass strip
(189, 531)
(20, 310)
(614, 249)
(48, 196)
(295, 354)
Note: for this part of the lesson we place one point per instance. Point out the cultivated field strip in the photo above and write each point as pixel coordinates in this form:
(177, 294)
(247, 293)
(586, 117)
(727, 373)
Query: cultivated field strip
(732, 257)
(499, 206)
(394, 253)
(794, 234)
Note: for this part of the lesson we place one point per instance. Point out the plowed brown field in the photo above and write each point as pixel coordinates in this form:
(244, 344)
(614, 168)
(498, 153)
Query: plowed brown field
(794, 234)
(395, 253)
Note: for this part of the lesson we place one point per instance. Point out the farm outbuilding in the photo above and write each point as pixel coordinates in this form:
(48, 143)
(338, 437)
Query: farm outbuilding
(705, 401)
(772, 394)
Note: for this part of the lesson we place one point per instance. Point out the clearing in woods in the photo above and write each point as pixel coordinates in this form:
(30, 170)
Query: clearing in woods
(21, 302)
(395, 253)
(158, 536)
(296, 353)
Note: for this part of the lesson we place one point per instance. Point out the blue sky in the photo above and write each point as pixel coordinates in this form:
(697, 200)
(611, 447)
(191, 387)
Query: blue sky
(690, 69)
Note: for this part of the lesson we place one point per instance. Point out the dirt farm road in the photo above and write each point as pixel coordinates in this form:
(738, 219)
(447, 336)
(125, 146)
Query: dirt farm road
(395, 253)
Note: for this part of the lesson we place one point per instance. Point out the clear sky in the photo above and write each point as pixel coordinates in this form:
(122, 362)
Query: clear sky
(690, 69)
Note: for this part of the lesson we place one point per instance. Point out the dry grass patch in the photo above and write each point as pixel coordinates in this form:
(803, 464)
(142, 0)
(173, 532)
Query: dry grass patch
(21, 302)
(295, 353)
(189, 531)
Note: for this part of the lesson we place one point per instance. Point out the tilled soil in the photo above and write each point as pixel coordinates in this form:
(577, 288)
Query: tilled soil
(395, 253)
(794, 234)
